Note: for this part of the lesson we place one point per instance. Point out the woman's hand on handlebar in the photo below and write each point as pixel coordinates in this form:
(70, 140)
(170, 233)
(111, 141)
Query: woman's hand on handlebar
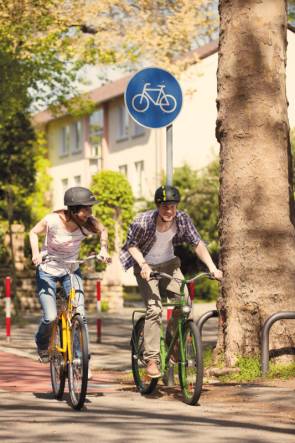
(104, 255)
(37, 259)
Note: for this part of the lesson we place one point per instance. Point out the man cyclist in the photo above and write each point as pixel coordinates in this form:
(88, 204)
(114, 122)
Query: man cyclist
(64, 230)
(150, 247)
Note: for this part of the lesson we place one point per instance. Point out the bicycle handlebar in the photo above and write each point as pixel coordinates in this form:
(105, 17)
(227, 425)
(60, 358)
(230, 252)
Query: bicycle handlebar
(158, 275)
(48, 258)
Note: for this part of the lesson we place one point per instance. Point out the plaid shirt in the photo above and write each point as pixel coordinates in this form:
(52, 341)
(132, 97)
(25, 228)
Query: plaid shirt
(142, 234)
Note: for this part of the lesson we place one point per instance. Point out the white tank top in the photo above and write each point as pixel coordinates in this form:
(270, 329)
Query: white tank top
(162, 250)
(61, 243)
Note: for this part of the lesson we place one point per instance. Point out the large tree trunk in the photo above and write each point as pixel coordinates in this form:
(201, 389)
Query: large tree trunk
(256, 203)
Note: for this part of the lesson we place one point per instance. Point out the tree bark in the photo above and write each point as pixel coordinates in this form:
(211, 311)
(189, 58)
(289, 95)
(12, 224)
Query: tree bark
(256, 198)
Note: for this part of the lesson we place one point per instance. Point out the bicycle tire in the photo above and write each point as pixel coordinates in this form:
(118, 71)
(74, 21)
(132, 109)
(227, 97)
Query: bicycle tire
(145, 385)
(167, 101)
(190, 371)
(142, 105)
(78, 368)
(57, 364)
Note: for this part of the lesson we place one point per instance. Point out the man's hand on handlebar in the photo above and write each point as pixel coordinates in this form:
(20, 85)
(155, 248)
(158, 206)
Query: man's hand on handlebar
(145, 271)
(216, 274)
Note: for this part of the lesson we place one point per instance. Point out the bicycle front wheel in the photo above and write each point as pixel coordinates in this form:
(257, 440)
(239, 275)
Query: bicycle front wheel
(78, 368)
(190, 366)
(140, 103)
(144, 384)
(57, 363)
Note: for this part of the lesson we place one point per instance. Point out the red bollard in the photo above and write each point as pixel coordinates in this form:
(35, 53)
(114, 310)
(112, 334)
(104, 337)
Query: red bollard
(191, 290)
(8, 307)
(98, 309)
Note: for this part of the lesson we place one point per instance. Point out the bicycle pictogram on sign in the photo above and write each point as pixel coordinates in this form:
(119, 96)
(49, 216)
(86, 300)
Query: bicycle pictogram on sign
(166, 102)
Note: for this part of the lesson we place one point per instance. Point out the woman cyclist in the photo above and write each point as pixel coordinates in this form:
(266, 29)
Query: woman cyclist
(64, 230)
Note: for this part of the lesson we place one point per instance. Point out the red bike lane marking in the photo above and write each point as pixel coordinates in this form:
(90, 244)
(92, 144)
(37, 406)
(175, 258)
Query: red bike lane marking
(22, 374)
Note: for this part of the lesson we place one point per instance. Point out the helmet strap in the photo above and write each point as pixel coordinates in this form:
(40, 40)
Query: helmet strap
(76, 220)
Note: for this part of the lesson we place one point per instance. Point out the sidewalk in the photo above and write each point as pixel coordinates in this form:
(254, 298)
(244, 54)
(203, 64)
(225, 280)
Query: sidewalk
(113, 353)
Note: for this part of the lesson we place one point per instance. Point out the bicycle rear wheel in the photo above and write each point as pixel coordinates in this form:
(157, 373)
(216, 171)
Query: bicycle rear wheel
(190, 367)
(144, 384)
(57, 363)
(78, 368)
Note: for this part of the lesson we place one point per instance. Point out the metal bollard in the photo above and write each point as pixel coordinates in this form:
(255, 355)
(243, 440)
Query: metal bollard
(283, 315)
(209, 314)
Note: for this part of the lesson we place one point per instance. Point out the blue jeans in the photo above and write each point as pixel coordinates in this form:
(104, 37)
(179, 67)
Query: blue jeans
(46, 288)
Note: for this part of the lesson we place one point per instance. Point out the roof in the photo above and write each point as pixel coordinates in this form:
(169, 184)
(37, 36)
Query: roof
(117, 88)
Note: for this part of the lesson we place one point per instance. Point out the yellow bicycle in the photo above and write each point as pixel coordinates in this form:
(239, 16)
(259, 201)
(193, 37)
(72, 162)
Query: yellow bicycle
(68, 349)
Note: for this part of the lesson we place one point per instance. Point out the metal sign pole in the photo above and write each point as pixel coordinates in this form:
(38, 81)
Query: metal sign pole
(169, 155)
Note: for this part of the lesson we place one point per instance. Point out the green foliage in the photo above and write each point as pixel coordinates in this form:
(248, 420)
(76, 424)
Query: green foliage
(208, 357)
(18, 169)
(250, 370)
(284, 371)
(39, 200)
(199, 198)
(115, 204)
(206, 289)
(104, 306)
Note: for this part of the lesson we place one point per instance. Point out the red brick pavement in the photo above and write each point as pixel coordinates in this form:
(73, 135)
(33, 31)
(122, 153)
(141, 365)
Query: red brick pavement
(21, 374)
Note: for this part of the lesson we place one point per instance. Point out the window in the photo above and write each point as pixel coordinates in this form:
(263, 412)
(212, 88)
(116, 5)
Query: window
(64, 184)
(139, 168)
(96, 132)
(137, 130)
(76, 133)
(124, 170)
(77, 180)
(123, 122)
(64, 148)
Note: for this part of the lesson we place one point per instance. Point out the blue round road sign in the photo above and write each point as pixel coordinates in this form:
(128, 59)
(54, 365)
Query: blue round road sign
(153, 97)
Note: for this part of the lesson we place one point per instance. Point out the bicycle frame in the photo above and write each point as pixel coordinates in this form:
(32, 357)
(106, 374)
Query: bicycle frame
(164, 352)
(65, 317)
(160, 90)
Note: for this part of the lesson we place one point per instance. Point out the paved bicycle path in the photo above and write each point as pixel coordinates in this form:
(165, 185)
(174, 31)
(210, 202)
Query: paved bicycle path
(22, 374)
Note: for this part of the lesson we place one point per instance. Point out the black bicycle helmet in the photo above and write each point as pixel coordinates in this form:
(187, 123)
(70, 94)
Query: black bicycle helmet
(167, 194)
(78, 196)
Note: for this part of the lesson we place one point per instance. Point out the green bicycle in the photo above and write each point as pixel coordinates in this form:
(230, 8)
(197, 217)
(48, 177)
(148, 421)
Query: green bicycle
(187, 341)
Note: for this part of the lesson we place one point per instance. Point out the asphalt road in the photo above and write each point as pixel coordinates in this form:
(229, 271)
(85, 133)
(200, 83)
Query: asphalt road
(115, 412)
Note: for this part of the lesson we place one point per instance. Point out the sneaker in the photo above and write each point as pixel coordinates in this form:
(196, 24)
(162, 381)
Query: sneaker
(43, 355)
(152, 369)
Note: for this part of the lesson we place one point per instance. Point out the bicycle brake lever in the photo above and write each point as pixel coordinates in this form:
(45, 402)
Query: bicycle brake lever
(155, 275)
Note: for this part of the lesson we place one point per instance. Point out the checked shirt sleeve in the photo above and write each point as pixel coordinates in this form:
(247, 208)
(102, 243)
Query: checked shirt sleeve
(188, 233)
(134, 235)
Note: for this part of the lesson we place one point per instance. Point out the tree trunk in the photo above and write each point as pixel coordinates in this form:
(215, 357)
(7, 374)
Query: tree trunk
(256, 198)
